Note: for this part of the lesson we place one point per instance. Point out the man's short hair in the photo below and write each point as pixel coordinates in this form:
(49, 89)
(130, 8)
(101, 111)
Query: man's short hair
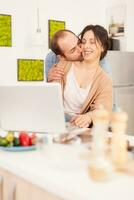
(54, 42)
(100, 34)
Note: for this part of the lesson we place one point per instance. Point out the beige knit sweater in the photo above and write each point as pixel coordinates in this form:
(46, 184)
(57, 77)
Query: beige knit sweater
(100, 91)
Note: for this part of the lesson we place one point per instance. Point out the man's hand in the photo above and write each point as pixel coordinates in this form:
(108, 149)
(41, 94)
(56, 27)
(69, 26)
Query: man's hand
(82, 121)
(55, 74)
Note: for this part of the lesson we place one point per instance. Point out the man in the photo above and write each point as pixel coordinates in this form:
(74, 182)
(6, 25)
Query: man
(68, 49)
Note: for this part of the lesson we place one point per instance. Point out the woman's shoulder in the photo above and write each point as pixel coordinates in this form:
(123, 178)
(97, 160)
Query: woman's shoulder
(104, 76)
(103, 73)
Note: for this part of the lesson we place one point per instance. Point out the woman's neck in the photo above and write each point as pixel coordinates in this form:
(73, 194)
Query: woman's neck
(90, 64)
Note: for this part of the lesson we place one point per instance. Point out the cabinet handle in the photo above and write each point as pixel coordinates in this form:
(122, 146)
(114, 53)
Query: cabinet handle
(11, 191)
(1, 188)
(129, 85)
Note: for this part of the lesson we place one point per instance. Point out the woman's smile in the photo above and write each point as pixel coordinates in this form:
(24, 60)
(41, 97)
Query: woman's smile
(87, 52)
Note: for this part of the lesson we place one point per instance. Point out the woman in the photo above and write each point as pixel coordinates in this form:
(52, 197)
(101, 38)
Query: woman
(85, 85)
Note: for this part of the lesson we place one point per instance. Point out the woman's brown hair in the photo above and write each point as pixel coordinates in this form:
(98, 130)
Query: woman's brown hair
(100, 34)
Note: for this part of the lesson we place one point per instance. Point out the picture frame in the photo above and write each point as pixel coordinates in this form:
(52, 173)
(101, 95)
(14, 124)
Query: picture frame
(5, 30)
(30, 69)
(53, 27)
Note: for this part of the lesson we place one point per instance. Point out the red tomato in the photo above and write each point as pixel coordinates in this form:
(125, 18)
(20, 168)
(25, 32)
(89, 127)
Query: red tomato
(24, 138)
(32, 139)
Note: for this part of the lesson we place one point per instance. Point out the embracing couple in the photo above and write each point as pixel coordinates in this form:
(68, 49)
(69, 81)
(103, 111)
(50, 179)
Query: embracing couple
(78, 63)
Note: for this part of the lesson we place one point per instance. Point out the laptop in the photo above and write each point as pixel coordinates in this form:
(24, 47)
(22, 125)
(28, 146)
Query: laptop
(32, 108)
(36, 108)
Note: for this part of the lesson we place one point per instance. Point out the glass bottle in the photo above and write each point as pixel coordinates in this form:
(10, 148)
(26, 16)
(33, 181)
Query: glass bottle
(119, 152)
(99, 166)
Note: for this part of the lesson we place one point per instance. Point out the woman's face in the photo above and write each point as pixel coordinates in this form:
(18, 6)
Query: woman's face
(91, 47)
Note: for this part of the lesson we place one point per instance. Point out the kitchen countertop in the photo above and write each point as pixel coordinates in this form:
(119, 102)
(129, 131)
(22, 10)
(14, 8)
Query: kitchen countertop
(65, 177)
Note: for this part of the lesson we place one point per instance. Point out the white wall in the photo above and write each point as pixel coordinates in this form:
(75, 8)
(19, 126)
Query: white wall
(22, 19)
(76, 14)
(129, 25)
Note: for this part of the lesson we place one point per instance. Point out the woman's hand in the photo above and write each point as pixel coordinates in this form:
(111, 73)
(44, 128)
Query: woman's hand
(82, 121)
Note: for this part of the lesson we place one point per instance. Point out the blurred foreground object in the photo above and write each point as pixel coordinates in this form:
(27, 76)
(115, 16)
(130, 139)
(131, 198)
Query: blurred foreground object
(100, 167)
(119, 154)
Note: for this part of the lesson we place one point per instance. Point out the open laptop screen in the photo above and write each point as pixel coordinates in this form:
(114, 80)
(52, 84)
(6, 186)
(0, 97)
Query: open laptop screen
(37, 108)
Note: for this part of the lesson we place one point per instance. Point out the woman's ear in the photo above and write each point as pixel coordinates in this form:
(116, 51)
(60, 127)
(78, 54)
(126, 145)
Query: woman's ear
(61, 58)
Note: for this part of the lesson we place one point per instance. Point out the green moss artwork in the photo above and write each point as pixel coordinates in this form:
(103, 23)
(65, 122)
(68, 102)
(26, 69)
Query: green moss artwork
(30, 70)
(54, 26)
(5, 31)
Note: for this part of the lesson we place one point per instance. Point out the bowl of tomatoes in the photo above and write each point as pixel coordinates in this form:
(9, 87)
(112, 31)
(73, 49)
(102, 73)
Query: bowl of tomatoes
(20, 141)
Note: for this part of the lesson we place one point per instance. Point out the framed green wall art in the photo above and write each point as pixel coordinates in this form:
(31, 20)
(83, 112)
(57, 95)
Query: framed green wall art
(5, 31)
(30, 69)
(54, 26)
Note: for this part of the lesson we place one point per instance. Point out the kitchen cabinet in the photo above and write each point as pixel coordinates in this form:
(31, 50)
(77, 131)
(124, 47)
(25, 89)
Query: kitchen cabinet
(13, 187)
(122, 64)
(6, 185)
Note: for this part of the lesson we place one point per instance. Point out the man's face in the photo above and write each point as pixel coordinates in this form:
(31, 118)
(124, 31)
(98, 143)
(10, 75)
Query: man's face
(70, 47)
